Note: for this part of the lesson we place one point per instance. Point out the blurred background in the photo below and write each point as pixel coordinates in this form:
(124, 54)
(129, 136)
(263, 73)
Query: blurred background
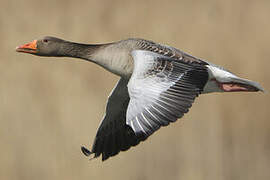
(49, 107)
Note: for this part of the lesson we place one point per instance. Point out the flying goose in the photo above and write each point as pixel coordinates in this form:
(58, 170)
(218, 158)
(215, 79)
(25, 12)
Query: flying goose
(157, 86)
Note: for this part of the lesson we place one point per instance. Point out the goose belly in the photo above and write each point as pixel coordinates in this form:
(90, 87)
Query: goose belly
(118, 62)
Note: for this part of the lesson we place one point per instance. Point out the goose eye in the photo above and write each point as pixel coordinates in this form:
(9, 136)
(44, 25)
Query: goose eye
(45, 40)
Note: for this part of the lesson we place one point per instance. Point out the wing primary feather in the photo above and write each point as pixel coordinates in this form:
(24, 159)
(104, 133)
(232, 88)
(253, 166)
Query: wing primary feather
(140, 125)
(155, 119)
(86, 151)
(164, 121)
(170, 106)
(166, 112)
(146, 120)
(179, 108)
(166, 116)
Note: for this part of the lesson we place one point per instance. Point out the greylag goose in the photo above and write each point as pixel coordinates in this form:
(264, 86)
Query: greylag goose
(157, 86)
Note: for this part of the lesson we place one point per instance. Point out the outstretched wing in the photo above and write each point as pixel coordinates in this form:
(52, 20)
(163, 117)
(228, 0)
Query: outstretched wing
(161, 90)
(113, 134)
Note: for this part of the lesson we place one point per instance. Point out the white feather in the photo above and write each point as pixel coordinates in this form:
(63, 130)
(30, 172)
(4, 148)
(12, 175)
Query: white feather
(220, 75)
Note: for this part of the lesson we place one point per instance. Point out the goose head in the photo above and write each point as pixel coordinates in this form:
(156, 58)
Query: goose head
(47, 46)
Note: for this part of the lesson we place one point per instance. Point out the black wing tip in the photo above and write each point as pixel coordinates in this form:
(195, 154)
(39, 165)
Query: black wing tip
(86, 151)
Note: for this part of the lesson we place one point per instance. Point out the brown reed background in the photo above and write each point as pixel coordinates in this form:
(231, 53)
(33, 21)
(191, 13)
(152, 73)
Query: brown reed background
(49, 107)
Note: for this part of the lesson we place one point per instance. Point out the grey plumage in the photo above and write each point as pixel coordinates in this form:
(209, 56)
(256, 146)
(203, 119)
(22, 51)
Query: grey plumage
(158, 85)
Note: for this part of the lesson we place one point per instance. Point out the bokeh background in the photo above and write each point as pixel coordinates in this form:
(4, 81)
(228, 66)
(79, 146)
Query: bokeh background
(49, 107)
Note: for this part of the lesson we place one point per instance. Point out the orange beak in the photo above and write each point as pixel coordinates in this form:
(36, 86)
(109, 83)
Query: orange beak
(28, 48)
